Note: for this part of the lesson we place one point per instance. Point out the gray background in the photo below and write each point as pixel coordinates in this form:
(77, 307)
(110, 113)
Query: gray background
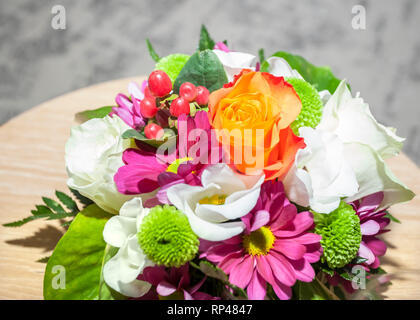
(104, 40)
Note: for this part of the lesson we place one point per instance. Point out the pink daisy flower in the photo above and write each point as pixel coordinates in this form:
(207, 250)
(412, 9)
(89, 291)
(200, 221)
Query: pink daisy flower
(372, 224)
(275, 248)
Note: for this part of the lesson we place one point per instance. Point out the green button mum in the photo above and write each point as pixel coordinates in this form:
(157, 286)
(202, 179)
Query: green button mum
(341, 235)
(166, 237)
(312, 106)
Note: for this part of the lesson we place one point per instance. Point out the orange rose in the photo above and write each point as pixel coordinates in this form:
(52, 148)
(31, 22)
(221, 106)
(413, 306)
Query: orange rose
(252, 118)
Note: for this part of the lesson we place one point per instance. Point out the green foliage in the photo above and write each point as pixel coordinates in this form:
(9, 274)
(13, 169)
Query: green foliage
(152, 51)
(261, 56)
(93, 114)
(314, 290)
(202, 69)
(169, 138)
(172, 64)
(82, 199)
(166, 237)
(341, 235)
(52, 210)
(312, 106)
(82, 253)
(320, 77)
(206, 42)
(391, 217)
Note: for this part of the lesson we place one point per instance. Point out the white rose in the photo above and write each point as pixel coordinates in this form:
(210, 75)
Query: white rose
(321, 175)
(122, 270)
(224, 196)
(93, 156)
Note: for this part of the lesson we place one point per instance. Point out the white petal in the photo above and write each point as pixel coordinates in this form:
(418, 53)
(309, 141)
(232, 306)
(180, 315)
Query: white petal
(213, 231)
(121, 271)
(351, 119)
(280, 68)
(298, 187)
(221, 174)
(118, 229)
(132, 208)
(134, 90)
(373, 175)
(234, 62)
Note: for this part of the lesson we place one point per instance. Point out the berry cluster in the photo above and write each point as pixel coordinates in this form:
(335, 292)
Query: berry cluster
(157, 96)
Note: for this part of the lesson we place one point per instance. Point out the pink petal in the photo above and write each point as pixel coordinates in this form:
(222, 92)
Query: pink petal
(308, 238)
(283, 292)
(218, 252)
(370, 227)
(241, 274)
(282, 269)
(371, 202)
(313, 252)
(300, 224)
(230, 261)
(133, 179)
(287, 215)
(290, 248)
(303, 270)
(264, 269)
(261, 218)
(257, 287)
(165, 288)
(366, 253)
(377, 246)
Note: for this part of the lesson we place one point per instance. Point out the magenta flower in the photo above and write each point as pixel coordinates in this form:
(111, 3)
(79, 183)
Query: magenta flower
(129, 108)
(145, 170)
(372, 224)
(221, 46)
(174, 284)
(275, 248)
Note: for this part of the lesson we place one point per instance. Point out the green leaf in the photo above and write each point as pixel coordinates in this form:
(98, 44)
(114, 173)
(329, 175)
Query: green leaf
(358, 260)
(152, 51)
(206, 42)
(391, 217)
(41, 210)
(168, 137)
(92, 114)
(43, 260)
(261, 55)
(202, 69)
(67, 201)
(320, 77)
(54, 205)
(25, 220)
(82, 199)
(80, 252)
(314, 290)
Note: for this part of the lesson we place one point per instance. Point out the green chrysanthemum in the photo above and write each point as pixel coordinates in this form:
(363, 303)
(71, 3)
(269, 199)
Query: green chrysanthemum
(166, 237)
(172, 64)
(341, 235)
(312, 106)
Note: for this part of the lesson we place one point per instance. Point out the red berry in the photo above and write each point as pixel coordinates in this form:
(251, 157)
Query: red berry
(188, 91)
(147, 93)
(160, 84)
(179, 106)
(153, 131)
(148, 107)
(202, 96)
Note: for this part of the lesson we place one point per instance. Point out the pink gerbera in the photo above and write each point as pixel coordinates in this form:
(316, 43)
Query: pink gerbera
(275, 248)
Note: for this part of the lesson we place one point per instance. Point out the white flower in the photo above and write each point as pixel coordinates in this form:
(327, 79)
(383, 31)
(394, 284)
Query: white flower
(122, 270)
(351, 120)
(365, 143)
(280, 68)
(321, 175)
(93, 156)
(234, 62)
(210, 221)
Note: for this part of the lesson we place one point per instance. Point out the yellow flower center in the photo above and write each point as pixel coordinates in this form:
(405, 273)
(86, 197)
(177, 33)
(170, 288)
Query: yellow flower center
(259, 242)
(173, 167)
(217, 200)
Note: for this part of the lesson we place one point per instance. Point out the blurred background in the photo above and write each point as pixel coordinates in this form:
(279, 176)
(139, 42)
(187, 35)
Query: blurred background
(104, 40)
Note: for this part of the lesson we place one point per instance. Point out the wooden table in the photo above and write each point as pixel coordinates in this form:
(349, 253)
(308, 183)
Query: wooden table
(32, 166)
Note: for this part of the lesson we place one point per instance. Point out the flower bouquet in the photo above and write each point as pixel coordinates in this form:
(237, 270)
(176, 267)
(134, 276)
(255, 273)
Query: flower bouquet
(225, 176)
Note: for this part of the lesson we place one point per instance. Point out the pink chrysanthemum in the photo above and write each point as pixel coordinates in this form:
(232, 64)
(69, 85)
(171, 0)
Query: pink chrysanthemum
(372, 224)
(275, 248)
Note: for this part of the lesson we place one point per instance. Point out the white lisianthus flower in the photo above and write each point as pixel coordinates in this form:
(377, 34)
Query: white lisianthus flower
(224, 196)
(93, 156)
(233, 62)
(351, 120)
(365, 143)
(122, 270)
(321, 175)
